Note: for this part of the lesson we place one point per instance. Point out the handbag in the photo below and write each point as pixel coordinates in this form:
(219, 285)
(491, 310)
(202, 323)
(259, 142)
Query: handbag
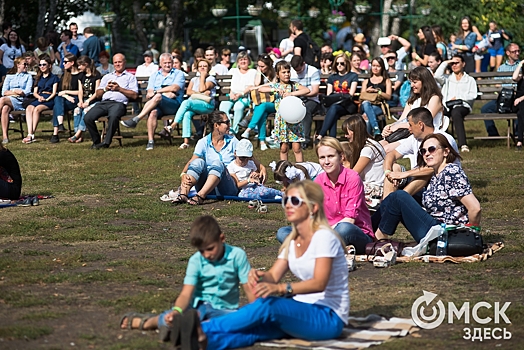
(453, 103)
(258, 97)
(506, 101)
(336, 98)
(372, 97)
(27, 101)
(199, 96)
(373, 248)
(462, 241)
(399, 134)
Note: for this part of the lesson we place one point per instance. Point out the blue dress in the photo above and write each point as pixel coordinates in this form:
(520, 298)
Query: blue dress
(45, 88)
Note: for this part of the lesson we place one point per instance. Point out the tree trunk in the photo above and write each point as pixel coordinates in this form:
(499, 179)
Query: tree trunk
(40, 21)
(2, 10)
(139, 27)
(50, 25)
(172, 26)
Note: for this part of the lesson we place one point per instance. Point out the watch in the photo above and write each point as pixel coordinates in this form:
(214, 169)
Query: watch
(289, 290)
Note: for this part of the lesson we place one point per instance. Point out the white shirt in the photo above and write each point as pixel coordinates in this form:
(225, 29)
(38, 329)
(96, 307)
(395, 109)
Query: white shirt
(324, 244)
(313, 169)
(464, 89)
(410, 146)
(287, 44)
(242, 173)
(240, 81)
(437, 120)
(309, 77)
(146, 71)
(374, 170)
(10, 53)
(219, 69)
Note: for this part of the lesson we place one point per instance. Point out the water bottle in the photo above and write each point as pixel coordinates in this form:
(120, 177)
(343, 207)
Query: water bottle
(442, 243)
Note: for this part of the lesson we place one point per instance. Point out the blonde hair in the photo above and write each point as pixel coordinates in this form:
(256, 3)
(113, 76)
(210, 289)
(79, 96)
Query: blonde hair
(330, 142)
(312, 194)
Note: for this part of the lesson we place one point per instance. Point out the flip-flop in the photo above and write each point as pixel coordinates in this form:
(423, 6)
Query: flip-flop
(132, 315)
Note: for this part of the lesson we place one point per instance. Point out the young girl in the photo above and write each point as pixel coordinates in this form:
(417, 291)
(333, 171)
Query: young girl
(286, 173)
(46, 86)
(246, 174)
(89, 82)
(287, 133)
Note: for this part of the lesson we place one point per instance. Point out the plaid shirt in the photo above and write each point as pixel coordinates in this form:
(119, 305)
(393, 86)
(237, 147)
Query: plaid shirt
(506, 67)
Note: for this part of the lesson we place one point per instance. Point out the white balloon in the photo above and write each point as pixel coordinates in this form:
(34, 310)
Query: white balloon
(292, 109)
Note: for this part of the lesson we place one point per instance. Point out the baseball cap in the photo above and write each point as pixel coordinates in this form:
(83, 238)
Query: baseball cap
(384, 41)
(244, 148)
(148, 53)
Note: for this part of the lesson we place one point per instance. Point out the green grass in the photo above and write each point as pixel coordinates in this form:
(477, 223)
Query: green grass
(106, 245)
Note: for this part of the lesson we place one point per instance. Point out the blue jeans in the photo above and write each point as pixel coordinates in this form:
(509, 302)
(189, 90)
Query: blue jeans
(330, 121)
(351, 235)
(272, 318)
(259, 119)
(79, 122)
(238, 110)
(490, 107)
(399, 206)
(205, 311)
(187, 110)
(199, 170)
(372, 111)
(61, 106)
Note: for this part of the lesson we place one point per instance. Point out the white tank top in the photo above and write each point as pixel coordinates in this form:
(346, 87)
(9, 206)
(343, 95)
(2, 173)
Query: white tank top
(437, 120)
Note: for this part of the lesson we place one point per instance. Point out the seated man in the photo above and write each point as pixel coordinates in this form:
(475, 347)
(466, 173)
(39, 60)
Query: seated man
(115, 91)
(420, 125)
(165, 92)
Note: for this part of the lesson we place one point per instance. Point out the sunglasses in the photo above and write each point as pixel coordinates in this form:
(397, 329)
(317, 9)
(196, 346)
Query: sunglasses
(204, 66)
(226, 54)
(356, 51)
(430, 149)
(391, 58)
(25, 64)
(228, 122)
(295, 201)
(243, 158)
(341, 63)
(515, 51)
(66, 61)
(42, 65)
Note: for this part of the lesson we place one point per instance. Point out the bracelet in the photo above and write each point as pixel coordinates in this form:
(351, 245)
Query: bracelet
(179, 309)
(182, 174)
(387, 171)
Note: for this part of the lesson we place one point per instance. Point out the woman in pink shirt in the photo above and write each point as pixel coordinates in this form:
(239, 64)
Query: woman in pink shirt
(345, 203)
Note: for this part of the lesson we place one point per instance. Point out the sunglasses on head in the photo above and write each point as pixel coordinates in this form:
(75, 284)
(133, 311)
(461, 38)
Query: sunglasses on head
(295, 201)
(430, 149)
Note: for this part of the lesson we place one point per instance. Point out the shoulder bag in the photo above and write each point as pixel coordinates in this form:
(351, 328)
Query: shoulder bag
(462, 241)
(200, 96)
(258, 97)
(372, 97)
(399, 134)
(454, 103)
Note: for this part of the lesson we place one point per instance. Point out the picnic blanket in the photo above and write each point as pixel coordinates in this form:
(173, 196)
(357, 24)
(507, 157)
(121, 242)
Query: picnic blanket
(4, 203)
(173, 194)
(360, 333)
(491, 249)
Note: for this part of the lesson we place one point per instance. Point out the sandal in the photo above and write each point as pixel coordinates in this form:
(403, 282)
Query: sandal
(180, 199)
(183, 146)
(262, 208)
(387, 259)
(130, 316)
(196, 200)
(72, 139)
(350, 258)
(254, 204)
(79, 140)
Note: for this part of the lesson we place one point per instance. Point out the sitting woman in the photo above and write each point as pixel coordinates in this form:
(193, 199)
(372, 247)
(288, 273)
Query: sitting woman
(380, 84)
(286, 173)
(201, 91)
(89, 81)
(10, 177)
(424, 93)
(207, 169)
(243, 79)
(342, 82)
(265, 75)
(104, 67)
(448, 198)
(319, 309)
(17, 85)
(345, 205)
(46, 87)
(366, 157)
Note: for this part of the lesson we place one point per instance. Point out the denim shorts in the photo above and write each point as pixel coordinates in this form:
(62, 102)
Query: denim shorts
(167, 106)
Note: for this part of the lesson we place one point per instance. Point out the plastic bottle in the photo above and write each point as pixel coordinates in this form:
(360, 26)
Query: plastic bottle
(442, 243)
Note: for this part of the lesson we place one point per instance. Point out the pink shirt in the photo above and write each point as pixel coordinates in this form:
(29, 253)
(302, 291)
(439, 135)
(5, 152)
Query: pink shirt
(346, 199)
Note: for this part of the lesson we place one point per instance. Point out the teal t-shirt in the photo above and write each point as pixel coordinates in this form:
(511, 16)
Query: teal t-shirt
(217, 282)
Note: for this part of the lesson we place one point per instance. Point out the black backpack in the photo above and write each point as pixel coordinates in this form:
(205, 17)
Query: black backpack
(506, 100)
(312, 54)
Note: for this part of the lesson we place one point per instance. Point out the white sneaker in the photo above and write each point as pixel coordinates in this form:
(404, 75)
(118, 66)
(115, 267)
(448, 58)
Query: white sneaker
(245, 135)
(263, 146)
(464, 148)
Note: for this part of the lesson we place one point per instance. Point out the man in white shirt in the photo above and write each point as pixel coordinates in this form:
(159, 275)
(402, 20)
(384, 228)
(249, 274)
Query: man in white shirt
(385, 46)
(420, 125)
(148, 67)
(309, 77)
(211, 56)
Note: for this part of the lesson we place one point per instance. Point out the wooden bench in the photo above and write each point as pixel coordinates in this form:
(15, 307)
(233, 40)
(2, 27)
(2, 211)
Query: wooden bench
(19, 116)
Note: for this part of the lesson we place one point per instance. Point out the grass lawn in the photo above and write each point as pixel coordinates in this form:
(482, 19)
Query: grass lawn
(106, 245)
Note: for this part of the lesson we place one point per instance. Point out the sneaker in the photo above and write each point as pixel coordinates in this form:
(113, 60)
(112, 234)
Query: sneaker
(54, 139)
(183, 146)
(130, 123)
(272, 143)
(150, 145)
(27, 202)
(35, 201)
(263, 146)
(464, 148)
(245, 135)
(61, 128)
(5, 141)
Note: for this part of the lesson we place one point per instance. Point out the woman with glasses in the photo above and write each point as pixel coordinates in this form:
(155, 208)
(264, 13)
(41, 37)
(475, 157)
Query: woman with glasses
(45, 90)
(345, 204)
(207, 169)
(380, 84)
(11, 50)
(17, 85)
(342, 82)
(201, 86)
(67, 98)
(243, 79)
(266, 76)
(448, 198)
(314, 308)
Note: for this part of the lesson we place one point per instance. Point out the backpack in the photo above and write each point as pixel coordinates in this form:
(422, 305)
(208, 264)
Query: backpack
(506, 100)
(405, 92)
(312, 54)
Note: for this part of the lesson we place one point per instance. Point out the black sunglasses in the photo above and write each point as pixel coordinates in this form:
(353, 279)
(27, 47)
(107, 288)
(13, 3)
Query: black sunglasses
(228, 122)
(430, 149)
(294, 200)
(515, 51)
(391, 58)
(244, 158)
(341, 63)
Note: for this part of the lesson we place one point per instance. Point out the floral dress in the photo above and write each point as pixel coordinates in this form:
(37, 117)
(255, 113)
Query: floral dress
(285, 132)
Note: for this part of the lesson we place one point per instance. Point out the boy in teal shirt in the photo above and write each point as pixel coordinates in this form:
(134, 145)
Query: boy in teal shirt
(211, 283)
